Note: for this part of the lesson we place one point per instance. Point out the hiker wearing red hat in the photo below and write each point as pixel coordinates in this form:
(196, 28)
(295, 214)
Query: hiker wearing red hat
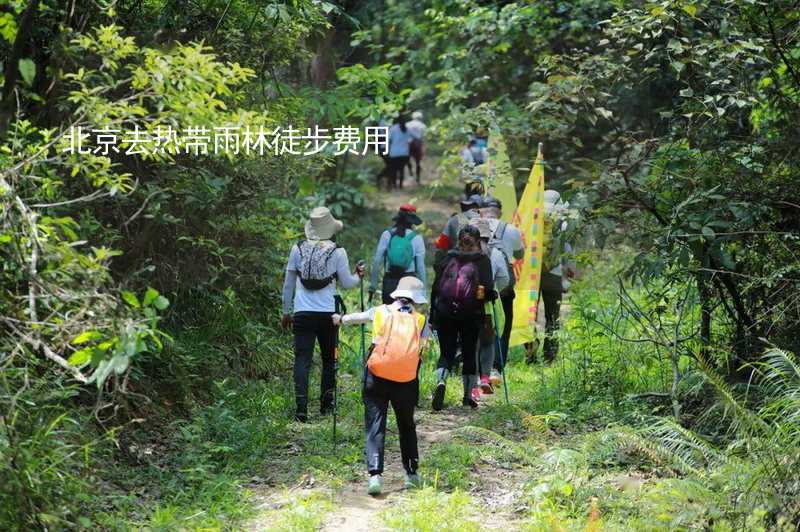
(400, 253)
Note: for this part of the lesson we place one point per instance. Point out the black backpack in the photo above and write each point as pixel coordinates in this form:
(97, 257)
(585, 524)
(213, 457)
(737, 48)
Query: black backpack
(314, 258)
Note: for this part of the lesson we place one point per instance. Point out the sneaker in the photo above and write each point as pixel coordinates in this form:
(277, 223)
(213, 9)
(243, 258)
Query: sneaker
(472, 403)
(412, 481)
(476, 394)
(486, 386)
(375, 485)
(438, 396)
(495, 378)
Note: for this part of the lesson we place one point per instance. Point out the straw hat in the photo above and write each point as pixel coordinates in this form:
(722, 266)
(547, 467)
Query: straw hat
(321, 224)
(410, 288)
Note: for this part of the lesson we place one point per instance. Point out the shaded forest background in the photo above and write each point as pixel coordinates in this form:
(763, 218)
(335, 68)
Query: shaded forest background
(133, 285)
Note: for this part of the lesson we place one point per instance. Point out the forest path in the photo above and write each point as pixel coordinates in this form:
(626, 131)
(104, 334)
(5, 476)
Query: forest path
(342, 503)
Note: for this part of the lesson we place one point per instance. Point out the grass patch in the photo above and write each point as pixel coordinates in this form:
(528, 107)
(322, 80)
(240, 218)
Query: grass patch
(428, 510)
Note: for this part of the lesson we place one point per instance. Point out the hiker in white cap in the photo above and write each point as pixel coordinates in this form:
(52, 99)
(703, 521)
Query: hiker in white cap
(391, 376)
(315, 265)
(556, 271)
(416, 127)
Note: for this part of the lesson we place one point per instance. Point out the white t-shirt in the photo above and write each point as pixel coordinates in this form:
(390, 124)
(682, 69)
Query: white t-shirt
(416, 128)
(321, 300)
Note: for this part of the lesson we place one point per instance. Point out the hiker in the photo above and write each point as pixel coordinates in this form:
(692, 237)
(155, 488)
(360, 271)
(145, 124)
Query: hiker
(474, 154)
(554, 268)
(462, 285)
(509, 240)
(399, 145)
(470, 208)
(500, 279)
(416, 127)
(391, 375)
(400, 253)
(314, 267)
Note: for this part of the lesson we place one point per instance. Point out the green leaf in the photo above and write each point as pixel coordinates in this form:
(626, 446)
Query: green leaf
(149, 296)
(130, 299)
(687, 93)
(28, 70)
(691, 9)
(81, 357)
(161, 302)
(86, 336)
(708, 232)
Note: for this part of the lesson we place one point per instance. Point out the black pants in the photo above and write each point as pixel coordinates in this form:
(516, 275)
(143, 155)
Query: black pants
(377, 394)
(551, 297)
(397, 171)
(508, 309)
(308, 328)
(455, 333)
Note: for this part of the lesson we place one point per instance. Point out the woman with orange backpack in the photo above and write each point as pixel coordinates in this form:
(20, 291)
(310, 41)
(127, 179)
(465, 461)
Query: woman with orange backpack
(391, 376)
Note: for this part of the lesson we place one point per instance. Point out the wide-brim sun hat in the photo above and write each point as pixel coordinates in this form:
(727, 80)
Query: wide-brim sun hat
(410, 288)
(552, 201)
(321, 224)
(416, 115)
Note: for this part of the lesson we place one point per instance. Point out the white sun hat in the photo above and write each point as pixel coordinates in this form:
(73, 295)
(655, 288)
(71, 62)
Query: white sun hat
(321, 224)
(410, 288)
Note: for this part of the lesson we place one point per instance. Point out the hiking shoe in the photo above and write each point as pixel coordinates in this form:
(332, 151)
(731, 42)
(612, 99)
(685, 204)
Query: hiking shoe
(475, 395)
(412, 481)
(375, 485)
(438, 396)
(472, 403)
(495, 378)
(486, 386)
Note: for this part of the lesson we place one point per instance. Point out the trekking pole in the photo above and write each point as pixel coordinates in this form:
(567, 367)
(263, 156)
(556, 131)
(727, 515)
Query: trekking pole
(335, 381)
(363, 326)
(500, 350)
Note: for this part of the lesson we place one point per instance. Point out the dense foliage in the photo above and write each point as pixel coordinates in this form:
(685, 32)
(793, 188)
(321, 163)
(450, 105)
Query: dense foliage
(130, 283)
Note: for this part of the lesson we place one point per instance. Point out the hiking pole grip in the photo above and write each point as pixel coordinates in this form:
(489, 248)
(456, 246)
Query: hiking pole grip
(499, 346)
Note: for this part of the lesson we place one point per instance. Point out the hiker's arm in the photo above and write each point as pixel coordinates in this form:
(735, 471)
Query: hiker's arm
(289, 282)
(377, 261)
(419, 259)
(357, 318)
(517, 249)
(485, 277)
(347, 278)
(501, 279)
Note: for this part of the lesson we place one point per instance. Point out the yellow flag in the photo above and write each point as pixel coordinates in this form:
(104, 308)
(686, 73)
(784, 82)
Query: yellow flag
(500, 176)
(529, 219)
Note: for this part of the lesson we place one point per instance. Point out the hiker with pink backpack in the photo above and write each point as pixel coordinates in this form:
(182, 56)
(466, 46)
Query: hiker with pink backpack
(462, 286)
(391, 376)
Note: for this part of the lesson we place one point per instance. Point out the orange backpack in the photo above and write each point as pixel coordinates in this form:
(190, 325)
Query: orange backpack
(396, 344)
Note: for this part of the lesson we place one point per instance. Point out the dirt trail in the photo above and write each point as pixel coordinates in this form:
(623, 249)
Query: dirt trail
(354, 510)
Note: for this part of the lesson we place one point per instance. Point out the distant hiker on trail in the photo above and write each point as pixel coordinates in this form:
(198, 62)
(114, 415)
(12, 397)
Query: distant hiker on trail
(383, 152)
(509, 240)
(474, 154)
(462, 285)
(500, 278)
(554, 268)
(315, 264)
(399, 146)
(470, 208)
(416, 127)
(400, 253)
(392, 376)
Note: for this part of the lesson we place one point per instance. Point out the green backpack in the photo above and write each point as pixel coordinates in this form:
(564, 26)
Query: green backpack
(400, 253)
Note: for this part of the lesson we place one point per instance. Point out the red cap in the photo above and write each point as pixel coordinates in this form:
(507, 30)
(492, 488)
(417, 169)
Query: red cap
(407, 207)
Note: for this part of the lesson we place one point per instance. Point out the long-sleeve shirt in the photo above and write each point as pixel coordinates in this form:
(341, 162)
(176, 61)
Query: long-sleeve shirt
(499, 269)
(368, 316)
(398, 141)
(417, 265)
(510, 238)
(322, 300)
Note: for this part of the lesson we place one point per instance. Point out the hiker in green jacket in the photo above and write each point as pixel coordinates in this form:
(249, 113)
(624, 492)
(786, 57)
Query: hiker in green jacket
(400, 253)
